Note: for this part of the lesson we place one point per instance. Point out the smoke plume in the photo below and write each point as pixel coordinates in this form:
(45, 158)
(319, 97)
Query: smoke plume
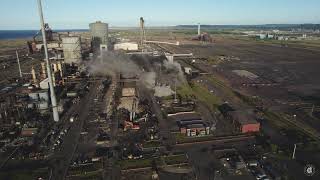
(151, 71)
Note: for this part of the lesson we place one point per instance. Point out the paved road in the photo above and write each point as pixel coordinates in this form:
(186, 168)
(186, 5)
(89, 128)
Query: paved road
(62, 158)
(111, 172)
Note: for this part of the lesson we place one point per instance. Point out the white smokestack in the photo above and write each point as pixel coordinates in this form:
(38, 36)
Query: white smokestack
(52, 93)
(18, 60)
(199, 29)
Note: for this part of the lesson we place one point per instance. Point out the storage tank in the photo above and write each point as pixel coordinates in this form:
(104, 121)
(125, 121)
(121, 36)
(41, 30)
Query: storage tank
(99, 34)
(71, 49)
(99, 30)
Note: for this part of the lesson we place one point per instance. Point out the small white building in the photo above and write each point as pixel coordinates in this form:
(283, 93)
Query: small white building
(103, 47)
(127, 46)
(187, 70)
(44, 84)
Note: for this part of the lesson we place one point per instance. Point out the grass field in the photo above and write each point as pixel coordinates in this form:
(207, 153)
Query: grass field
(151, 144)
(200, 93)
(143, 163)
(24, 174)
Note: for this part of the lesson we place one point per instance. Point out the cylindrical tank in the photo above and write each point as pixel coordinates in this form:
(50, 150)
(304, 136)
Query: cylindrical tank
(71, 49)
(99, 30)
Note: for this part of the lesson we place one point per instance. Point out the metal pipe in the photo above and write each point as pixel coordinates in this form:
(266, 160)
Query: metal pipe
(43, 69)
(34, 76)
(159, 42)
(175, 90)
(52, 93)
(18, 60)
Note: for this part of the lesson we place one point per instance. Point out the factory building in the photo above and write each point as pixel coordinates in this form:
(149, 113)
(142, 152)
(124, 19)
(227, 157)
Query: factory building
(245, 122)
(27, 132)
(71, 49)
(190, 124)
(195, 129)
(126, 46)
(39, 100)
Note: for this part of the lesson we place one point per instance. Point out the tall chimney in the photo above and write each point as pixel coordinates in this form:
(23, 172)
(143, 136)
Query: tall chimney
(52, 93)
(18, 60)
(142, 31)
(199, 29)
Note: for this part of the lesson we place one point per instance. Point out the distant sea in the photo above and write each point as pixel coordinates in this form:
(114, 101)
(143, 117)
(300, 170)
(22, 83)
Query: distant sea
(22, 34)
(13, 34)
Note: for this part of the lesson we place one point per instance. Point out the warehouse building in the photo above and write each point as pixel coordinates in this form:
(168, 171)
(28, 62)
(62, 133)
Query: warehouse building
(127, 46)
(190, 124)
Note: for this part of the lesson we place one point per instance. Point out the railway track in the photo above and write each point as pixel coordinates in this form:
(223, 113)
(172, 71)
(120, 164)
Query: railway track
(217, 140)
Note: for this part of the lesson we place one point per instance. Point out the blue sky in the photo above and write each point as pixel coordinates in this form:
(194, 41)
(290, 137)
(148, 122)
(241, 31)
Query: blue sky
(66, 14)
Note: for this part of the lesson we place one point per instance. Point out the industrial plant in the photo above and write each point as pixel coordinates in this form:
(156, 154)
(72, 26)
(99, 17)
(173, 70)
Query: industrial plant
(183, 102)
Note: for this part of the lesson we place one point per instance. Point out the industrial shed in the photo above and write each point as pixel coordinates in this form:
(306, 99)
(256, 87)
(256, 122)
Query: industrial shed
(127, 46)
(191, 124)
(245, 121)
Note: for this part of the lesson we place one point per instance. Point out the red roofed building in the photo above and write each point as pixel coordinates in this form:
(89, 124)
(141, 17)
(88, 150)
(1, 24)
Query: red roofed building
(245, 122)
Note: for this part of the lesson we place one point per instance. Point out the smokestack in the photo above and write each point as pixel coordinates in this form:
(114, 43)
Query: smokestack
(43, 70)
(175, 92)
(18, 60)
(142, 31)
(52, 93)
(199, 29)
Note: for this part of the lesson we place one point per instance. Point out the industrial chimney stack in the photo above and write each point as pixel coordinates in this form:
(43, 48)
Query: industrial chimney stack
(52, 93)
(142, 31)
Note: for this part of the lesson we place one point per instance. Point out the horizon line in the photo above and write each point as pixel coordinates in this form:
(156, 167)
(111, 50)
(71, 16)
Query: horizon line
(166, 26)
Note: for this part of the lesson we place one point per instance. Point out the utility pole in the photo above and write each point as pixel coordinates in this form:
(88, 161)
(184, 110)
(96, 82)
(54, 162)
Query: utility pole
(312, 110)
(52, 93)
(18, 60)
(294, 151)
(175, 91)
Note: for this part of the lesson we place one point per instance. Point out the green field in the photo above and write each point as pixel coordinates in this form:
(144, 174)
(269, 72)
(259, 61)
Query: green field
(200, 93)
(151, 144)
(25, 174)
(144, 163)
